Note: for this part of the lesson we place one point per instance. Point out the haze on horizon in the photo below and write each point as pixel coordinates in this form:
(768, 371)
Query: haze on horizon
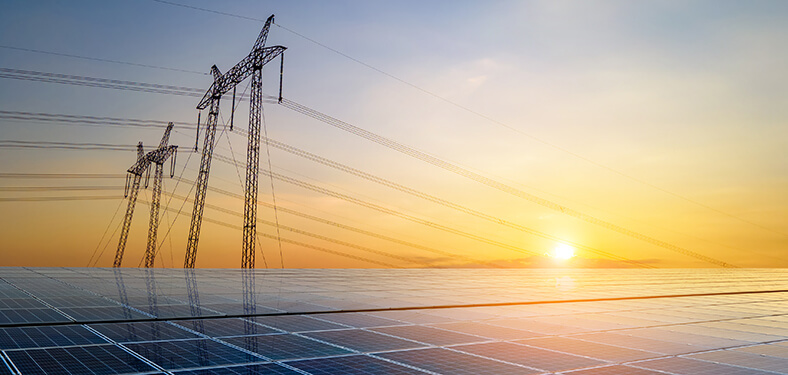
(665, 118)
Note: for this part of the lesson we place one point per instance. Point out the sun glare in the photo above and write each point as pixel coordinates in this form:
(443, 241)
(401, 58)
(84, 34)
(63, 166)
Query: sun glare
(563, 251)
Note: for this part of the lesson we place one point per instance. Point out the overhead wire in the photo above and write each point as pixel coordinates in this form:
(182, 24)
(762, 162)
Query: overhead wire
(481, 115)
(409, 151)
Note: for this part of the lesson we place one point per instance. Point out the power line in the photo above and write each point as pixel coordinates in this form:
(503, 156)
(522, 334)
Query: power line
(396, 146)
(65, 145)
(58, 188)
(53, 199)
(102, 60)
(61, 175)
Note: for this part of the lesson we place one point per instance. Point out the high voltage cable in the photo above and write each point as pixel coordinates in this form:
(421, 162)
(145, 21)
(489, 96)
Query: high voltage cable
(298, 243)
(492, 183)
(54, 199)
(480, 115)
(382, 209)
(306, 233)
(103, 60)
(443, 202)
(68, 79)
(62, 175)
(65, 145)
(137, 122)
(58, 188)
(353, 229)
(86, 120)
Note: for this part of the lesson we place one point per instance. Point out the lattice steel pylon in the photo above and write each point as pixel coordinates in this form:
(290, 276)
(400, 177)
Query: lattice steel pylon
(157, 158)
(251, 65)
(132, 189)
(133, 179)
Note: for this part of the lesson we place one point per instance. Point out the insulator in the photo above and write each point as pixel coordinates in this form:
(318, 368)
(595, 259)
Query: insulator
(172, 163)
(197, 140)
(232, 110)
(281, 75)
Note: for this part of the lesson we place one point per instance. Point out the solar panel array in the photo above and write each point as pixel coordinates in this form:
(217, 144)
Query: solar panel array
(578, 322)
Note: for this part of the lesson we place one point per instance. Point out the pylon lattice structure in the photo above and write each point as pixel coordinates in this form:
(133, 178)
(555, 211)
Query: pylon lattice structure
(133, 180)
(251, 65)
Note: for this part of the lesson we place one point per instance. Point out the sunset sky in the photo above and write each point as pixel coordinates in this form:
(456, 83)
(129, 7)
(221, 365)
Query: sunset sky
(667, 120)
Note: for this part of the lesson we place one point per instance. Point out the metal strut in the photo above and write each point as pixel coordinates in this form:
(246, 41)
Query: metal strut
(251, 65)
(136, 177)
(157, 158)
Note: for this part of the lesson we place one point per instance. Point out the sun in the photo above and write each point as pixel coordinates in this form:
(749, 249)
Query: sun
(563, 252)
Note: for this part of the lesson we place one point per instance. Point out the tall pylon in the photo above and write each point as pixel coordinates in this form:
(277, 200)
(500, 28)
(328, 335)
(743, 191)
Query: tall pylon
(133, 180)
(251, 65)
(157, 158)
(132, 189)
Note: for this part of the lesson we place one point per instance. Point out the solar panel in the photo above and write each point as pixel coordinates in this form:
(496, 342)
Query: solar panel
(142, 331)
(285, 346)
(429, 335)
(352, 365)
(364, 341)
(260, 369)
(226, 327)
(38, 337)
(191, 353)
(297, 323)
(719, 334)
(444, 361)
(95, 359)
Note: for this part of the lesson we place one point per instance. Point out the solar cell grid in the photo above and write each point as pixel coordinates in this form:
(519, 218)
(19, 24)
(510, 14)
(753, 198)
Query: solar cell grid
(86, 314)
(4, 367)
(191, 353)
(445, 361)
(352, 365)
(15, 316)
(363, 341)
(429, 335)
(487, 330)
(614, 370)
(528, 356)
(587, 349)
(226, 327)
(285, 346)
(20, 303)
(259, 369)
(358, 320)
(676, 365)
(634, 342)
(768, 350)
(142, 331)
(96, 359)
(749, 360)
(37, 337)
(296, 323)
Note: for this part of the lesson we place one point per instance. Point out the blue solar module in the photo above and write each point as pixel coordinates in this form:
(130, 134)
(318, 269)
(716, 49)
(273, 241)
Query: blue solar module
(39, 337)
(96, 359)
(16, 316)
(81, 301)
(352, 365)
(226, 327)
(238, 308)
(261, 369)
(285, 346)
(358, 320)
(142, 331)
(430, 335)
(527, 356)
(20, 303)
(364, 341)
(82, 314)
(296, 323)
(445, 361)
(615, 370)
(191, 353)
(4, 369)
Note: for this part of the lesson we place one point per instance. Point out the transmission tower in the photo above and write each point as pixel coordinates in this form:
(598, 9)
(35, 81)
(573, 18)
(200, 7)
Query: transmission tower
(158, 157)
(133, 179)
(251, 65)
(132, 188)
